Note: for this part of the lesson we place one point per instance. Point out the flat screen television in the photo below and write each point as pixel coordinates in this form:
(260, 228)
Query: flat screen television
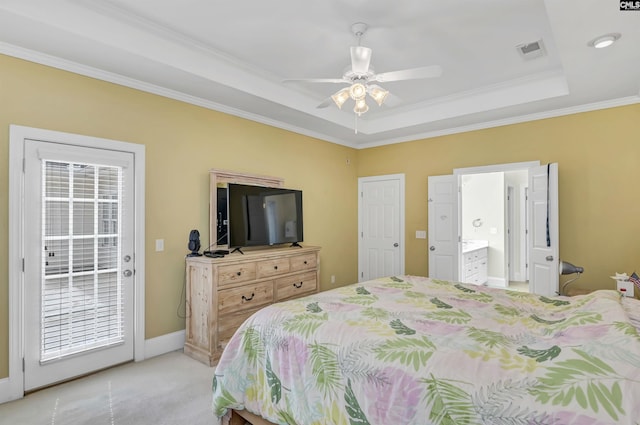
(260, 215)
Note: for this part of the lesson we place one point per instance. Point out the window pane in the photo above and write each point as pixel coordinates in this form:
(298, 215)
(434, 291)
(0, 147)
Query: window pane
(56, 219)
(108, 216)
(83, 254)
(108, 183)
(56, 257)
(107, 253)
(56, 179)
(83, 181)
(83, 219)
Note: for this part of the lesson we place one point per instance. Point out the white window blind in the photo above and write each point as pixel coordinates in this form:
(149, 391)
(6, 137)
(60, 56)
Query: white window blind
(81, 297)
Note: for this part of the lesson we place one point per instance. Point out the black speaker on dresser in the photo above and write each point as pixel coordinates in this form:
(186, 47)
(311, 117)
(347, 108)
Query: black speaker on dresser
(194, 244)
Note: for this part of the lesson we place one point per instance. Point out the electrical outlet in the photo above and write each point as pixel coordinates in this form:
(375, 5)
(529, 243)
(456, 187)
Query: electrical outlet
(159, 245)
(333, 278)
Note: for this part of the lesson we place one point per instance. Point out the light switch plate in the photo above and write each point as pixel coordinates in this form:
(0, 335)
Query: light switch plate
(159, 245)
(421, 234)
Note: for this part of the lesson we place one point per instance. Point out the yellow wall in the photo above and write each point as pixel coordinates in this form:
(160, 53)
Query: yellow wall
(598, 156)
(182, 143)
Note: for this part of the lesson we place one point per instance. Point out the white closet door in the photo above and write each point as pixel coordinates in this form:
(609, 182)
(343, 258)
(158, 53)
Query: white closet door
(381, 224)
(78, 263)
(443, 227)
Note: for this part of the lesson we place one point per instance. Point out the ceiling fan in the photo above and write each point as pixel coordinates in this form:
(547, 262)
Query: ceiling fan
(362, 78)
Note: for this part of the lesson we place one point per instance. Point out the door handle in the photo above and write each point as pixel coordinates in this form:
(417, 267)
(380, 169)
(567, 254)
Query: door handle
(432, 248)
(127, 273)
(549, 258)
(395, 244)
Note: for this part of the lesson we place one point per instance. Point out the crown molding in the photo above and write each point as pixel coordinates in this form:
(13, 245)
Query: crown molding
(88, 71)
(74, 67)
(588, 107)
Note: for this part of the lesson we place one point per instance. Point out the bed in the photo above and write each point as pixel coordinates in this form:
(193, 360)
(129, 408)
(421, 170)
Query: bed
(414, 350)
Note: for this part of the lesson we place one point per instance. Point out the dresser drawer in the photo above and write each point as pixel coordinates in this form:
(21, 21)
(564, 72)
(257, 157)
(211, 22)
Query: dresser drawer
(274, 267)
(296, 285)
(234, 273)
(303, 262)
(229, 323)
(245, 298)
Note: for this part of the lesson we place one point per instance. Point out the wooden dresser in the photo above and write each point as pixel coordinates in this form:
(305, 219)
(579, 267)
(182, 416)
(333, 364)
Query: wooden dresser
(222, 292)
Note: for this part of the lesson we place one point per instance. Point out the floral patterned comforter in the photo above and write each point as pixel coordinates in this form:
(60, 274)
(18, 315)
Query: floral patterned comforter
(412, 350)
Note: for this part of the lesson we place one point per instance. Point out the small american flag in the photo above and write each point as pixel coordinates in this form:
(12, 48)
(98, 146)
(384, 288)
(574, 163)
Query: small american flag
(635, 279)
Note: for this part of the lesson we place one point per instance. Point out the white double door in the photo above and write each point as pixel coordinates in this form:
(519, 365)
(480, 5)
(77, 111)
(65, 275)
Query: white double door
(78, 240)
(543, 228)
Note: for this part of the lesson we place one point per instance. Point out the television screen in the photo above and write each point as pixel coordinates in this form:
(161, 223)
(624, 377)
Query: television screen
(263, 215)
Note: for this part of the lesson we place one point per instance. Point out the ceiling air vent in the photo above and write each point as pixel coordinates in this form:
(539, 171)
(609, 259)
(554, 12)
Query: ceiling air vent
(531, 50)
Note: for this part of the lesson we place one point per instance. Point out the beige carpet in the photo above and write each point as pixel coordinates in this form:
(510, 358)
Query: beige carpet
(168, 389)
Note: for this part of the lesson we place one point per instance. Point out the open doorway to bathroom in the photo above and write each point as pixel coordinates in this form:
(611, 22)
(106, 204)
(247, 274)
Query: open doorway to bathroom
(493, 214)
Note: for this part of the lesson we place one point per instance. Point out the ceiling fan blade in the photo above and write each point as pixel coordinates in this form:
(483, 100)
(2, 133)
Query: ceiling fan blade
(410, 74)
(325, 103)
(316, 80)
(392, 101)
(360, 59)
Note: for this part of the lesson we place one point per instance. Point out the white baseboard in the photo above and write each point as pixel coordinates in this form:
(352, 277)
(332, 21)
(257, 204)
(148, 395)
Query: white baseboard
(152, 347)
(497, 282)
(8, 392)
(5, 394)
(163, 344)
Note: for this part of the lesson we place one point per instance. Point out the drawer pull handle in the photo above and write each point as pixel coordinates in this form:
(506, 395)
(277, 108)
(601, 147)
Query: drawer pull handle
(275, 267)
(250, 298)
(305, 261)
(239, 273)
(298, 285)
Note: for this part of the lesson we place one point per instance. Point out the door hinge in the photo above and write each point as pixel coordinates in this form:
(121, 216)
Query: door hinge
(361, 235)
(362, 194)
(24, 165)
(23, 265)
(23, 364)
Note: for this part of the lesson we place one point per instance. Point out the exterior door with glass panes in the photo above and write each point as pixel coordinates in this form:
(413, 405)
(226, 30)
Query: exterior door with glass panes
(78, 261)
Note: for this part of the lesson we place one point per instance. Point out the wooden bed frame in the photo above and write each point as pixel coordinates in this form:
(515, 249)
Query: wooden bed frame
(240, 417)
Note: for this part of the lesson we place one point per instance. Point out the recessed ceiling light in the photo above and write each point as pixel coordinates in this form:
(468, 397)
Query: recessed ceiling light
(604, 40)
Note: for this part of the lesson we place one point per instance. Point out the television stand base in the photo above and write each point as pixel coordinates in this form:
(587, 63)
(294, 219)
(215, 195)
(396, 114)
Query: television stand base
(295, 244)
(239, 249)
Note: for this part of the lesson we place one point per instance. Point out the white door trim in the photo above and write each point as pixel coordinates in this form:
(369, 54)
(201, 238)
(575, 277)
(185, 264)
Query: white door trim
(13, 387)
(401, 179)
(514, 166)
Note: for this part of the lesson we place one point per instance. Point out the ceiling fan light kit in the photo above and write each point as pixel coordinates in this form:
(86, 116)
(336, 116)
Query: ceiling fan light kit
(378, 94)
(361, 107)
(361, 74)
(340, 97)
(357, 91)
